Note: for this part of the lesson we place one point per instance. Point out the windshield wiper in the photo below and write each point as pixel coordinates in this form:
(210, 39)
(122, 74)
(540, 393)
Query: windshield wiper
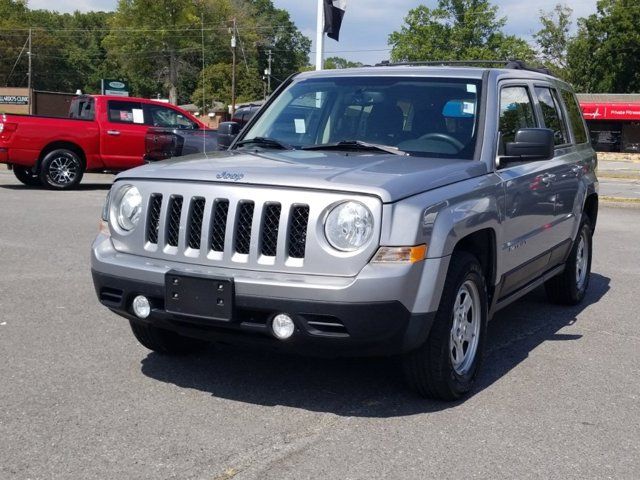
(356, 145)
(265, 142)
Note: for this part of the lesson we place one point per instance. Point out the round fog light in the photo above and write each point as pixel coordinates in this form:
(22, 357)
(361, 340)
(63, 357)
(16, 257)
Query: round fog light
(141, 306)
(282, 326)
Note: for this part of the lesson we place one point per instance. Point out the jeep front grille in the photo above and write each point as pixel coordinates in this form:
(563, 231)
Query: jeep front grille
(246, 229)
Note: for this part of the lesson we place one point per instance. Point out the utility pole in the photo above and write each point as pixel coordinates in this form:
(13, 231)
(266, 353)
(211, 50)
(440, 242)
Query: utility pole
(320, 36)
(30, 74)
(233, 68)
(268, 72)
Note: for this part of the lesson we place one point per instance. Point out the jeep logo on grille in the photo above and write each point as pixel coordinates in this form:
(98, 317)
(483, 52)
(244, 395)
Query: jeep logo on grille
(230, 176)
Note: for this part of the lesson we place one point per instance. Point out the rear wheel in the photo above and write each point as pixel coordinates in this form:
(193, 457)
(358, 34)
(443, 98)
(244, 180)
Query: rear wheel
(570, 287)
(446, 365)
(165, 341)
(61, 169)
(26, 176)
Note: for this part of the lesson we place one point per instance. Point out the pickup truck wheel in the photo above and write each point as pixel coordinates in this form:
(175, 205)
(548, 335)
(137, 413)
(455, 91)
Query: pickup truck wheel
(26, 176)
(164, 341)
(445, 366)
(61, 169)
(570, 287)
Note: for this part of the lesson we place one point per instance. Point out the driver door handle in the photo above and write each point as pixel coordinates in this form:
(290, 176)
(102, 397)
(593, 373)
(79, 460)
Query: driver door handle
(113, 132)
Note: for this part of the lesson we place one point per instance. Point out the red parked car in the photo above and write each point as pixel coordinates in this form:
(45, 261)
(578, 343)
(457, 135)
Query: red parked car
(102, 134)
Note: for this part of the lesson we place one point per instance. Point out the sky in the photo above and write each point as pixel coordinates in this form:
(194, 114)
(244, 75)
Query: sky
(368, 23)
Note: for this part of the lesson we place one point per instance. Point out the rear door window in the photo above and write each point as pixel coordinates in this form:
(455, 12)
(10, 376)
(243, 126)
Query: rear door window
(577, 125)
(552, 114)
(125, 112)
(516, 112)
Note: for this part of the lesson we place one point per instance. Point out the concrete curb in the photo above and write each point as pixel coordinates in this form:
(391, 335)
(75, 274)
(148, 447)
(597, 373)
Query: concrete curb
(620, 201)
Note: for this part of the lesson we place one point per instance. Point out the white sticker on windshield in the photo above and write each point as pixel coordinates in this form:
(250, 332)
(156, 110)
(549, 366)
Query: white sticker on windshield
(300, 125)
(138, 115)
(471, 88)
(468, 108)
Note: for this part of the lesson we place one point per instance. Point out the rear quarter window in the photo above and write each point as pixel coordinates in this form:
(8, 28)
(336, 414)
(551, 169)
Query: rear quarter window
(576, 122)
(552, 114)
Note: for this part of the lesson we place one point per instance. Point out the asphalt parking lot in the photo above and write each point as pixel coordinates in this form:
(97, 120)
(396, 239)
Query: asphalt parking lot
(559, 396)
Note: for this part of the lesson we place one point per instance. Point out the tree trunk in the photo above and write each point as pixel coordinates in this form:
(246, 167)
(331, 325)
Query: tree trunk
(173, 78)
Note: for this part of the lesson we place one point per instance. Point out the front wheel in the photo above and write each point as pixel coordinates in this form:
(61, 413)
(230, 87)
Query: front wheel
(446, 365)
(25, 175)
(570, 287)
(61, 169)
(164, 341)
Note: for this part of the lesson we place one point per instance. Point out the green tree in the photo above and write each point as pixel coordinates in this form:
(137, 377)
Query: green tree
(66, 48)
(553, 38)
(217, 85)
(604, 56)
(278, 34)
(456, 30)
(146, 40)
(333, 63)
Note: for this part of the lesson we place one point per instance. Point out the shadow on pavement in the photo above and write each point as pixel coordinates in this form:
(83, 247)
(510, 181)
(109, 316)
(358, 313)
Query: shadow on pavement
(363, 387)
(81, 187)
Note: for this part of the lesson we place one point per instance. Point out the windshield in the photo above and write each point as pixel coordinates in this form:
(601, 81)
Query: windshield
(421, 116)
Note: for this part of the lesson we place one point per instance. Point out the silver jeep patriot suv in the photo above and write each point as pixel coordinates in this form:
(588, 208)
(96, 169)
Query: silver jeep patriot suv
(374, 211)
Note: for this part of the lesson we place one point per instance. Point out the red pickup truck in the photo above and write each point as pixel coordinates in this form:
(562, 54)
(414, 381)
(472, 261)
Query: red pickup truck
(102, 134)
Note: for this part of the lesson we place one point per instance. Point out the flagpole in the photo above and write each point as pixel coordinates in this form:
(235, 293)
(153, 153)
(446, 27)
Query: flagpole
(320, 36)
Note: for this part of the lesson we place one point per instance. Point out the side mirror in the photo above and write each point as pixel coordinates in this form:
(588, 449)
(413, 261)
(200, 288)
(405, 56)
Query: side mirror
(530, 144)
(227, 132)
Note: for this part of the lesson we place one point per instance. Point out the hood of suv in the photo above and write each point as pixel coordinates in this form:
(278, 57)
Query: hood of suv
(387, 176)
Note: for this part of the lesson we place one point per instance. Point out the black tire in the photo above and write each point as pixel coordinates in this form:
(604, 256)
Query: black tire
(429, 370)
(26, 176)
(567, 288)
(61, 169)
(165, 341)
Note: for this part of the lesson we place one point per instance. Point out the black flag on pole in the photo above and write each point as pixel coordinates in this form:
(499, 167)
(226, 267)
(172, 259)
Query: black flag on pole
(333, 14)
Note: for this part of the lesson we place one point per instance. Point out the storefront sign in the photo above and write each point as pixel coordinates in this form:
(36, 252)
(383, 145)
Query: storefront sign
(611, 111)
(14, 100)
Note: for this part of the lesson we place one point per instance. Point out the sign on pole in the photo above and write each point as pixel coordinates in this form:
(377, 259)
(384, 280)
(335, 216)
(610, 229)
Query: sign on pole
(114, 87)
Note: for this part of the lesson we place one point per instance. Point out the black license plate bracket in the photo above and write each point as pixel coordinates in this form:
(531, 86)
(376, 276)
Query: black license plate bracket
(199, 296)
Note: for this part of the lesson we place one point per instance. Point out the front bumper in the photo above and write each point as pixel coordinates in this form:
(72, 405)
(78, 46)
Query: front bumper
(375, 313)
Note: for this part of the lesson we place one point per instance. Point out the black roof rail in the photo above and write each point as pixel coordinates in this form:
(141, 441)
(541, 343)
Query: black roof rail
(510, 64)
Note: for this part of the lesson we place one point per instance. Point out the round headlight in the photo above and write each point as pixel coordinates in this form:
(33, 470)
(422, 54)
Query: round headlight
(128, 208)
(349, 226)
